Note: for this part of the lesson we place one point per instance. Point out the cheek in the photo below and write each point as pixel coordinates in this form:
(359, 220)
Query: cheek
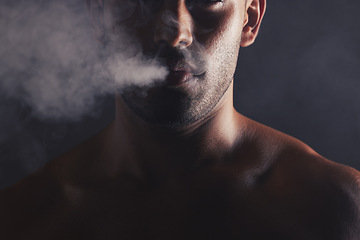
(219, 31)
(223, 52)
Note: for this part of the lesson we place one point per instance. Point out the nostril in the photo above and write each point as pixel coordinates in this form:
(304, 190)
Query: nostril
(182, 45)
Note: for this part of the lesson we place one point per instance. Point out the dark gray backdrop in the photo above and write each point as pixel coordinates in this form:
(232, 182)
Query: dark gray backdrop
(301, 77)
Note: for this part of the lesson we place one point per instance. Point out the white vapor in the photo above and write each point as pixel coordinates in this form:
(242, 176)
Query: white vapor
(50, 60)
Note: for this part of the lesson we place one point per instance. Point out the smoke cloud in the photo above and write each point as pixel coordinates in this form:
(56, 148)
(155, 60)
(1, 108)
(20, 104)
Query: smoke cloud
(54, 73)
(50, 60)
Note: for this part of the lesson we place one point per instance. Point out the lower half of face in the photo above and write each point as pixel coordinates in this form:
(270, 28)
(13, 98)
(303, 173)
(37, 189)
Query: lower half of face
(198, 75)
(183, 99)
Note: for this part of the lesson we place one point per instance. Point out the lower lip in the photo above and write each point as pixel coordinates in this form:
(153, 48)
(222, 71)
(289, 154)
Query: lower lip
(176, 78)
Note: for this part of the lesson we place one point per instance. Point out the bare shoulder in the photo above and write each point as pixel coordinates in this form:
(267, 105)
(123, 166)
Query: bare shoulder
(23, 205)
(42, 198)
(340, 186)
(335, 192)
(327, 194)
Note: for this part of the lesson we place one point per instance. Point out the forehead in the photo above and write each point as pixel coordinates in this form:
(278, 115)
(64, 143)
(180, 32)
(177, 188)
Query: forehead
(126, 7)
(126, 3)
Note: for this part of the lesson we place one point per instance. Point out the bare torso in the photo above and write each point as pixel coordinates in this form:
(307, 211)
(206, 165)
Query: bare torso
(273, 187)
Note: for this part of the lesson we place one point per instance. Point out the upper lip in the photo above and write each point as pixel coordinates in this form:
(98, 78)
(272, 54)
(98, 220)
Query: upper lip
(180, 69)
(175, 60)
(178, 65)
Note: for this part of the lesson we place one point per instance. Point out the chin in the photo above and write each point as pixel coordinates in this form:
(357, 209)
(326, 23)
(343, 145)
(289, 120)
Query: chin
(174, 107)
(168, 113)
(165, 117)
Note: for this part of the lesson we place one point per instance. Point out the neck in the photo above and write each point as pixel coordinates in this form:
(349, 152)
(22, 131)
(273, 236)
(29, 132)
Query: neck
(151, 151)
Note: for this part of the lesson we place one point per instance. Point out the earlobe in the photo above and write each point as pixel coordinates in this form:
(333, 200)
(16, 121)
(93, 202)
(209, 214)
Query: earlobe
(254, 15)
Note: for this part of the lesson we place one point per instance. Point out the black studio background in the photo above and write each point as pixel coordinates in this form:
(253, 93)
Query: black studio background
(302, 77)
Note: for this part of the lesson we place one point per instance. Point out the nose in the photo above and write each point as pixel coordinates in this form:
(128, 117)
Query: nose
(174, 25)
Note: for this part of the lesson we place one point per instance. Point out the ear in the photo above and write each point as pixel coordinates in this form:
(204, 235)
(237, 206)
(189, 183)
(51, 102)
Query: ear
(255, 10)
(96, 13)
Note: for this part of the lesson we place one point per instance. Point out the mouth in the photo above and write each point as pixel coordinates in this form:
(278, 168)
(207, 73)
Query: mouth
(183, 66)
(180, 75)
(181, 72)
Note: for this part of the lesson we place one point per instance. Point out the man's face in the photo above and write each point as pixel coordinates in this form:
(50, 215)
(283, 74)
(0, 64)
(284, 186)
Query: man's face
(198, 42)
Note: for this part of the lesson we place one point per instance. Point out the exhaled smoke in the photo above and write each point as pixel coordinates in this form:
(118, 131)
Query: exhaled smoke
(50, 59)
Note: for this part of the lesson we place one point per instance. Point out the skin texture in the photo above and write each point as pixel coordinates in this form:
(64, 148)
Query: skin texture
(208, 37)
(213, 174)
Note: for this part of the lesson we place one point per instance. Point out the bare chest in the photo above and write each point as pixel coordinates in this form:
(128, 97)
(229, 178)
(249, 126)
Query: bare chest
(173, 213)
